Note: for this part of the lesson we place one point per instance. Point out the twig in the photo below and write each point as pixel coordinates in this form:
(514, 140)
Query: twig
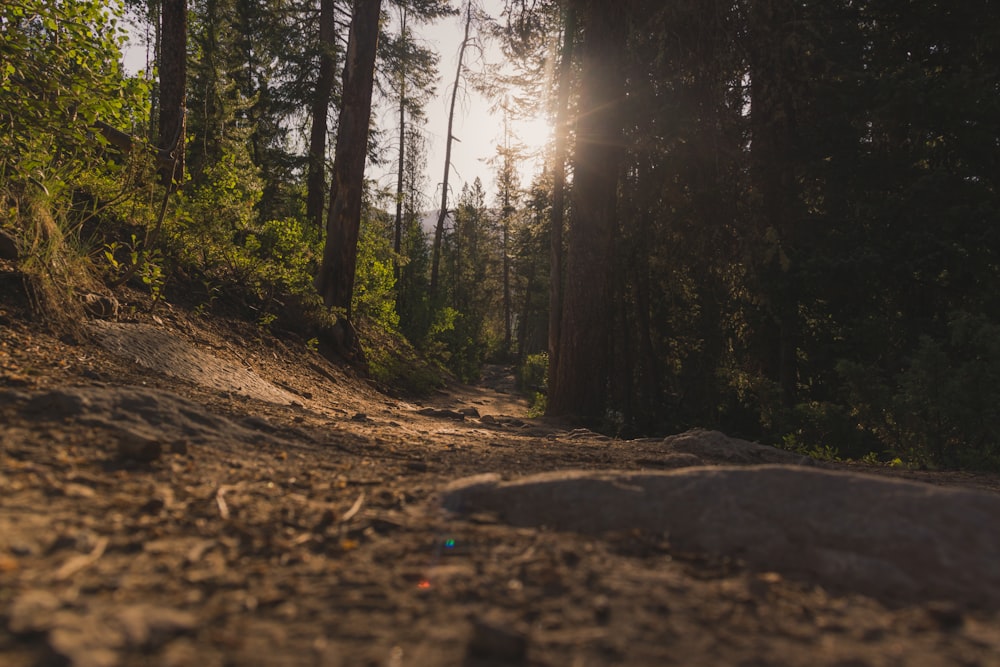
(77, 563)
(221, 502)
(355, 508)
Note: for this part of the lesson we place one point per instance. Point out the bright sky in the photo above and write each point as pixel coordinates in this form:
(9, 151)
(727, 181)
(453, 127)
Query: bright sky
(478, 129)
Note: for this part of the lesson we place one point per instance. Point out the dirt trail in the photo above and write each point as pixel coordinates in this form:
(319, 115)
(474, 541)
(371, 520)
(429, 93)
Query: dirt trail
(194, 493)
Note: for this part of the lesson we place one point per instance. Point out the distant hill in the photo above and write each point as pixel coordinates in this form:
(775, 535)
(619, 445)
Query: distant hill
(428, 221)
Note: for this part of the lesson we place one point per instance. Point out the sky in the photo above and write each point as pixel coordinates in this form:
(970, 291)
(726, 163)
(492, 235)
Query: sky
(478, 129)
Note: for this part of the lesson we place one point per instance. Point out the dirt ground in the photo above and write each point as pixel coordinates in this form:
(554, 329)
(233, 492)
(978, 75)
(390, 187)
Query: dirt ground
(177, 490)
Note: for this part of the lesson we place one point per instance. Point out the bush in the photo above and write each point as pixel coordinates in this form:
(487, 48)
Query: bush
(943, 406)
(533, 373)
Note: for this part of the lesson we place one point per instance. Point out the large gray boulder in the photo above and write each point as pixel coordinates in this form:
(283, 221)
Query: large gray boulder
(888, 538)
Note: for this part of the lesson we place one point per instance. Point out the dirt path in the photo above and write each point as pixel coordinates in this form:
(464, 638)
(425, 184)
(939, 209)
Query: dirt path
(188, 493)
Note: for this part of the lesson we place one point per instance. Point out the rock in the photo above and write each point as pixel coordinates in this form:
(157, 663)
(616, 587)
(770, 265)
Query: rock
(138, 447)
(86, 645)
(441, 414)
(470, 412)
(86, 639)
(138, 417)
(170, 352)
(147, 626)
(100, 306)
(892, 539)
(94, 637)
(8, 247)
(58, 404)
(579, 433)
(32, 611)
(720, 448)
(497, 641)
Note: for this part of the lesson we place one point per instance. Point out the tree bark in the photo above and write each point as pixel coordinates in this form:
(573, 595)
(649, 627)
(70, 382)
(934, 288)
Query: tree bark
(582, 368)
(773, 93)
(316, 176)
(559, 194)
(397, 241)
(443, 212)
(335, 281)
(173, 83)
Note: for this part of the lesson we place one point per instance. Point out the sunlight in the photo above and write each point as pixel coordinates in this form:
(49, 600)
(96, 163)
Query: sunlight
(534, 133)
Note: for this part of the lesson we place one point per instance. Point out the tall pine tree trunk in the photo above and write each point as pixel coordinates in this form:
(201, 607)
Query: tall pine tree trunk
(173, 82)
(582, 368)
(559, 194)
(316, 176)
(507, 310)
(443, 212)
(773, 93)
(335, 281)
(397, 241)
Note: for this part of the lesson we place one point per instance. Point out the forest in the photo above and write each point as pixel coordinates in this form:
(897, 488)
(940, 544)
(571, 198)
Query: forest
(775, 218)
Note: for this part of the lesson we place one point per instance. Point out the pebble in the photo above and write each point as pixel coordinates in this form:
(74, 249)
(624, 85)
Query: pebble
(492, 639)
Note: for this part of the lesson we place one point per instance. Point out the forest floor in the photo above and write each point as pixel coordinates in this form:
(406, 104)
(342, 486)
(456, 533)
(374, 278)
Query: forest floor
(181, 490)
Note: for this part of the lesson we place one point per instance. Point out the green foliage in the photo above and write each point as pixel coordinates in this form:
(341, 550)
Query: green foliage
(396, 365)
(533, 372)
(532, 378)
(454, 339)
(216, 236)
(943, 406)
(375, 281)
(59, 73)
(470, 324)
(124, 259)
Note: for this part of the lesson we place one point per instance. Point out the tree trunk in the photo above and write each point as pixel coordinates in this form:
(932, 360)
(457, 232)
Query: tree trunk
(559, 194)
(443, 212)
(581, 371)
(173, 82)
(507, 317)
(316, 177)
(397, 242)
(772, 115)
(335, 281)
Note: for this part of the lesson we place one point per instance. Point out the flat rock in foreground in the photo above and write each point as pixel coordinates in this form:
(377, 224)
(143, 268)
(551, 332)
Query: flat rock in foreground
(896, 540)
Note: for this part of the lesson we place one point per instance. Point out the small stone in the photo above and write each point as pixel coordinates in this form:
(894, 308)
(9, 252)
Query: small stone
(494, 640)
(100, 306)
(947, 616)
(8, 247)
(150, 627)
(602, 610)
(441, 414)
(140, 448)
(32, 612)
(488, 419)
(78, 491)
(470, 412)
(359, 417)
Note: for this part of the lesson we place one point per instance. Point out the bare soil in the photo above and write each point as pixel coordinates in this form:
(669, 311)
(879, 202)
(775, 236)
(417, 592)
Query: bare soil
(179, 490)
